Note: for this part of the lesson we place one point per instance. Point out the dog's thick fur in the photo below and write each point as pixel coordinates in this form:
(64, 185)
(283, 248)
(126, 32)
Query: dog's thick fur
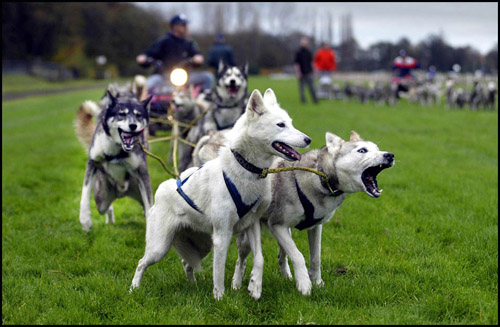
(352, 166)
(226, 104)
(259, 135)
(116, 167)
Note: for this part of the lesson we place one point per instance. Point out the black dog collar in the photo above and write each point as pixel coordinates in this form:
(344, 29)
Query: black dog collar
(245, 164)
(331, 180)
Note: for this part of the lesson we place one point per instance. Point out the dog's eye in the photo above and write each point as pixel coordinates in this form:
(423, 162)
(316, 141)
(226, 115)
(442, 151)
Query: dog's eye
(362, 150)
(138, 115)
(282, 125)
(122, 113)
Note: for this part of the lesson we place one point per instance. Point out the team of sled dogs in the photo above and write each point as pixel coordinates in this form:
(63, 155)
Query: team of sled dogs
(221, 192)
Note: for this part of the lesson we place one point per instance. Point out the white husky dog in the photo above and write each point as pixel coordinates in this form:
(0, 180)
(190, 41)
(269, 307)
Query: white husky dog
(224, 196)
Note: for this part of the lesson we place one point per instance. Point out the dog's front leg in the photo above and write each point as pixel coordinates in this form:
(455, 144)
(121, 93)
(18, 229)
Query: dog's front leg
(221, 240)
(314, 236)
(254, 237)
(88, 184)
(281, 233)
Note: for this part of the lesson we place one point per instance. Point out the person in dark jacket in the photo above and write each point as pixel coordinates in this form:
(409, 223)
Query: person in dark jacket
(220, 50)
(173, 48)
(304, 70)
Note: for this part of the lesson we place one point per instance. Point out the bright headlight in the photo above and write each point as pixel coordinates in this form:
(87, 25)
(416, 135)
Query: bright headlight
(178, 77)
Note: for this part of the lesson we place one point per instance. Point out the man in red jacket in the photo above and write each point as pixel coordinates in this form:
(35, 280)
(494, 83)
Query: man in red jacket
(325, 63)
(324, 59)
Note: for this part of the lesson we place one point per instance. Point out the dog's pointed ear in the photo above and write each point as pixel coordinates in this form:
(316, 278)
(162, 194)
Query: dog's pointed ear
(146, 102)
(355, 137)
(255, 106)
(112, 98)
(222, 64)
(270, 97)
(333, 142)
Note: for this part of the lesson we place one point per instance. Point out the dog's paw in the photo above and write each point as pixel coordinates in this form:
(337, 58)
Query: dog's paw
(86, 225)
(85, 220)
(236, 284)
(319, 282)
(304, 286)
(255, 288)
(285, 271)
(218, 294)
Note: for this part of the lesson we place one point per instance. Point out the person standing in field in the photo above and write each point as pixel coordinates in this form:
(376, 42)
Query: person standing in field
(325, 61)
(304, 70)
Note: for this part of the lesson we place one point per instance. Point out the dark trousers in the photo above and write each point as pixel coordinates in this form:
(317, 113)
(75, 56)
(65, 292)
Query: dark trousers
(309, 81)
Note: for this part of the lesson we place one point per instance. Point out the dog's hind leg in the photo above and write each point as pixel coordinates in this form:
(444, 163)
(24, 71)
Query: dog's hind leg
(104, 195)
(283, 262)
(314, 236)
(254, 236)
(243, 251)
(159, 238)
(192, 246)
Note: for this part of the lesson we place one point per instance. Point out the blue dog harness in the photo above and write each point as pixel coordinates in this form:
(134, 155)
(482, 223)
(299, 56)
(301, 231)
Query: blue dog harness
(184, 195)
(308, 210)
(241, 207)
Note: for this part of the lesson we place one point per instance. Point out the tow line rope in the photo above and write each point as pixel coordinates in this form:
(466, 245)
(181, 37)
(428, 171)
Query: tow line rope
(264, 174)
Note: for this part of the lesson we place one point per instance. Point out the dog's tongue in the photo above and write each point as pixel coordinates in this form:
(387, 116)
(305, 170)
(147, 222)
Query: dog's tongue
(287, 150)
(233, 90)
(129, 138)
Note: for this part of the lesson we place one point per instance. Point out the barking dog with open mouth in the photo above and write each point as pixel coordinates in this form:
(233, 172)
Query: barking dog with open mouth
(210, 203)
(116, 166)
(302, 200)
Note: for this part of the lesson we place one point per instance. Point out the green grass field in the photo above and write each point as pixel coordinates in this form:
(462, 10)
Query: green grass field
(425, 252)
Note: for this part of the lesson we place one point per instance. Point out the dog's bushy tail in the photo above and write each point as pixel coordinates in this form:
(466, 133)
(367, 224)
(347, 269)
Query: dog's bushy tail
(84, 123)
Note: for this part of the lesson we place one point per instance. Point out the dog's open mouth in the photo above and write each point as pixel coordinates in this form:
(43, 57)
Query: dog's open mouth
(369, 178)
(129, 139)
(233, 90)
(287, 150)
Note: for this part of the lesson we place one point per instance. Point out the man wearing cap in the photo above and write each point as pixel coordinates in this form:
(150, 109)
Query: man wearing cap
(220, 50)
(173, 48)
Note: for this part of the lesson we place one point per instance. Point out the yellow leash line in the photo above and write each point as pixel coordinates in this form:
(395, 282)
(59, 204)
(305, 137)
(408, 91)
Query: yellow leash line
(159, 159)
(323, 176)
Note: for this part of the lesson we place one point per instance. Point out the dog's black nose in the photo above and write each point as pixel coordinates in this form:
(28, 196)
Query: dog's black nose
(132, 127)
(232, 82)
(307, 140)
(389, 156)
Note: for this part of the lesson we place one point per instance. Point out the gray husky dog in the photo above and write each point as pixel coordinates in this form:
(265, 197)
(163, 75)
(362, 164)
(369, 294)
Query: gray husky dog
(302, 200)
(116, 166)
(226, 104)
(225, 196)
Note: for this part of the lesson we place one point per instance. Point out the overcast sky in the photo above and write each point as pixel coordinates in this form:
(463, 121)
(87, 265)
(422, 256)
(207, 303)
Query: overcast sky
(461, 23)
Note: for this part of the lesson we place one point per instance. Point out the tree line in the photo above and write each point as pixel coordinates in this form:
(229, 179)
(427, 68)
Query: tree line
(74, 34)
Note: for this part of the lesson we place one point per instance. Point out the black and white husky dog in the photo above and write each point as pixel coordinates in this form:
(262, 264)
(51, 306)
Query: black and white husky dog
(116, 165)
(227, 102)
